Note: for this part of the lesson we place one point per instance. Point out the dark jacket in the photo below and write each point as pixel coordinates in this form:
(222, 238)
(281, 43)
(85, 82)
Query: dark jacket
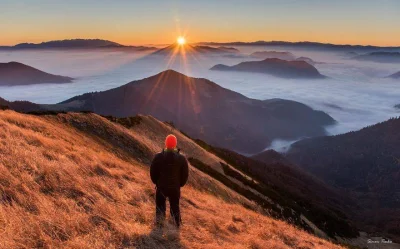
(169, 170)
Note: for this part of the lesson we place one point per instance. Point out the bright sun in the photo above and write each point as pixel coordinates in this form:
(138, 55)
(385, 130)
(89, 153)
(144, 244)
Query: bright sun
(181, 40)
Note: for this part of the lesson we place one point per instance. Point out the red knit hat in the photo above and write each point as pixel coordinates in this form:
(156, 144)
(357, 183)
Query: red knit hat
(171, 142)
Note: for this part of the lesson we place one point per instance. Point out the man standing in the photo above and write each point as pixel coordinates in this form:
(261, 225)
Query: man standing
(169, 172)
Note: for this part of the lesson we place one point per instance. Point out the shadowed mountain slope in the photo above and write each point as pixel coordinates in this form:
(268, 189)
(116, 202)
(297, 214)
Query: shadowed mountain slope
(366, 164)
(276, 67)
(282, 183)
(79, 181)
(207, 111)
(15, 73)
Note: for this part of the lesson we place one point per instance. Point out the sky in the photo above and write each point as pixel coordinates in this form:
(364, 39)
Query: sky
(130, 22)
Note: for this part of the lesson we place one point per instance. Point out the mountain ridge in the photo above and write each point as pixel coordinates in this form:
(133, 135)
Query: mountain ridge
(276, 67)
(364, 163)
(76, 44)
(273, 54)
(382, 57)
(16, 73)
(188, 49)
(304, 44)
(193, 104)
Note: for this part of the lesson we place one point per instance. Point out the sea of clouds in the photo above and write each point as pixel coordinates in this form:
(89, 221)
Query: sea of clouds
(356, 93)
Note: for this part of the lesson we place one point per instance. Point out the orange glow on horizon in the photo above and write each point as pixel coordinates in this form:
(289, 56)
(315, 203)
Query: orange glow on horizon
(168, 37)
(162, 37)
(147, 23)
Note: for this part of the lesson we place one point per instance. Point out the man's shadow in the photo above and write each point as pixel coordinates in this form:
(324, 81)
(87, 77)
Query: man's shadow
(160, 237)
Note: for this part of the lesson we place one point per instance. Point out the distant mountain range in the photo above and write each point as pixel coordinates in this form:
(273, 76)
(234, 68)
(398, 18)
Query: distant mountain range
(15, 73)
(304, 45)
(75, 44)
(308, 60)
(276, 67)
(100, 43)
(205, 110)
(365, 164)
(273, 54)
(283, 55)
(187, 49)
(383, 57)
(395, 75)
(229, 49)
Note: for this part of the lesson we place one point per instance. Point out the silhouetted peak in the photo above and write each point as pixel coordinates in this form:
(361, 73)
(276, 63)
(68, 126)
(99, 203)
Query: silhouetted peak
(71, 43)
(274, 66)
(16, 73)
(13, 63)
(170, 76)
(171, 72)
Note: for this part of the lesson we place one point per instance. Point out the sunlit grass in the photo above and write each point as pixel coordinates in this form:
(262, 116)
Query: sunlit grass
(63, 185)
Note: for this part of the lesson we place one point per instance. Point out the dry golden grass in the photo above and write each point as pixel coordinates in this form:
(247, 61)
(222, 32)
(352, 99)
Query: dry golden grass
(64, 187)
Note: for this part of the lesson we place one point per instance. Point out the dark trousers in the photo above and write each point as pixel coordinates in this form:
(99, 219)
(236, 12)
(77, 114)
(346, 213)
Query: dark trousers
(173, 196)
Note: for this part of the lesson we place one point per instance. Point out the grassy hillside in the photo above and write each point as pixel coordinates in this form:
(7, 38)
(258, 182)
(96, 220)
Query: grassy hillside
(283, 190)
(81, 181)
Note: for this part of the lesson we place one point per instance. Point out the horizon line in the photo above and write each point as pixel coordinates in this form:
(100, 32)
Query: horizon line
(211, 42)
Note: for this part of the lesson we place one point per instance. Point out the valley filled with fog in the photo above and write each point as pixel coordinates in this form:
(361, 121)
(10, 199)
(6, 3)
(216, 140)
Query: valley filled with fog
(356, 94)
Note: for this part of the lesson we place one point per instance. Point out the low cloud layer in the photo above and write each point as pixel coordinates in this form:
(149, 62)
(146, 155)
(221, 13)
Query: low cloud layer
(356, 95)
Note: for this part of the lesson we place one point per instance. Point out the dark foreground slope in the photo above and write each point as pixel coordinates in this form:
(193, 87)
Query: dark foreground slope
(81, 181)
(276, 67)
(295, 191)
(15, 73)
(207, 111)
(366, 164)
